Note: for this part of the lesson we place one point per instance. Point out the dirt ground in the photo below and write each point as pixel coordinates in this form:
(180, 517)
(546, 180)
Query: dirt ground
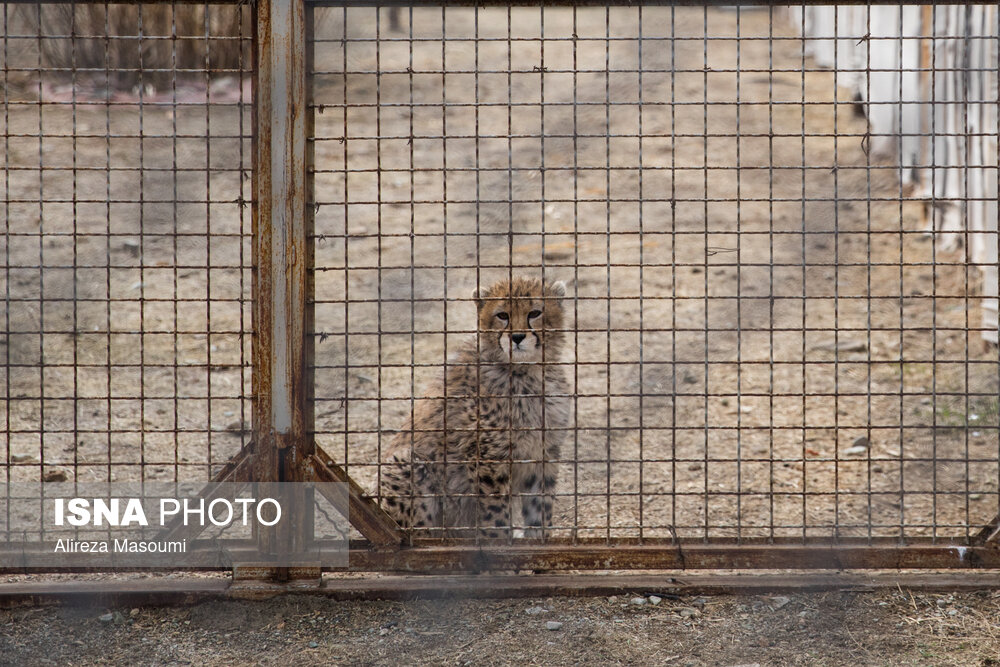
(891, 627)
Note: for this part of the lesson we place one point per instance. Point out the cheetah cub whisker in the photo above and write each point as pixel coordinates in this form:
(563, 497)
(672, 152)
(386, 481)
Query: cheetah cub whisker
(488, 438)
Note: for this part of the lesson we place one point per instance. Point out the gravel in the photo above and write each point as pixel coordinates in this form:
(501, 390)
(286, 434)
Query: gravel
(838, 628)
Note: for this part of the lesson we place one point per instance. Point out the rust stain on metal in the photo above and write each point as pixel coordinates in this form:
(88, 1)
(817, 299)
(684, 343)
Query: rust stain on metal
(408, 587)
(990, 533)
(280, 239)
(565, 555)
(190, 590)
(280, 276)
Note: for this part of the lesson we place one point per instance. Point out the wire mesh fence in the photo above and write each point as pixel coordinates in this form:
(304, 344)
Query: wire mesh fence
(767, 336)
(573, 276)
(126, 242)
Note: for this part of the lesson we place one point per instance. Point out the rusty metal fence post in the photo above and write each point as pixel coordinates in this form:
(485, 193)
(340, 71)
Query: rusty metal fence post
(280, 252)
(282, 218)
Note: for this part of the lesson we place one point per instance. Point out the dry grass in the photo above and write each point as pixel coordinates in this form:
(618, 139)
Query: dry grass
(132, 45)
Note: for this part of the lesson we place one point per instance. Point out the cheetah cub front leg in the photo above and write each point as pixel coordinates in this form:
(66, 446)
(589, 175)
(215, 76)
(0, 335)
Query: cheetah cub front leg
(536, 486)
(494, 496)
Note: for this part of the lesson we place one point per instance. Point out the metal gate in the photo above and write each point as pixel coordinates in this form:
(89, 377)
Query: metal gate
(770, 224)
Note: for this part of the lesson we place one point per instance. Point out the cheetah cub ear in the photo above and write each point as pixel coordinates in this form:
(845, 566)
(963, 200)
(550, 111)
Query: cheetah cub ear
(558, 288)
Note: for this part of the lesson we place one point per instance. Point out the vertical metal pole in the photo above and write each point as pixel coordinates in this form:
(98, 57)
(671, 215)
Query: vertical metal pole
(280, 228)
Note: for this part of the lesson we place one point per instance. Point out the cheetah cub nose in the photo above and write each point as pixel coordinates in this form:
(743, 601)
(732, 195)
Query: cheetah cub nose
(517, 338)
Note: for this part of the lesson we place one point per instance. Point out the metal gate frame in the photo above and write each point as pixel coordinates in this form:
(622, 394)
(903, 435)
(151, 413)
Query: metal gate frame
(283, 449)
(283, 217)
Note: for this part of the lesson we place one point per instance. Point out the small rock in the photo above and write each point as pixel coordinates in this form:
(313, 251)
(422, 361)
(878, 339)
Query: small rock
(655, 599)
(688, 612)
(55, 475)
(21, 458)
(106, 618)
(534, 611)
(953, 612)
(612, 598)
(855, 451)
(553, 625)
(383, 631)
(313, 644)
(638, 601)
(861, 442)
(134, 612)
(780, 601)
(942, 603)
(975, 496)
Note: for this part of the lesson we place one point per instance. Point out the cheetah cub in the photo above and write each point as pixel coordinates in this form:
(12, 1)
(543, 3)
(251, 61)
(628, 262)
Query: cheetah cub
(489, 436)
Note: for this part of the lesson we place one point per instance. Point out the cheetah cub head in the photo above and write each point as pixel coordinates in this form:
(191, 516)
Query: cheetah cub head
(520, 320)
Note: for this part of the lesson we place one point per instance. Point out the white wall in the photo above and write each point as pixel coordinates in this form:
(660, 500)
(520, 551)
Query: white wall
(940, 124)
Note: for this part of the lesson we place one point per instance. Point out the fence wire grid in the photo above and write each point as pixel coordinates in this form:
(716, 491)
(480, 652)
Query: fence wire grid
(126, 241)
(777, 229)
(769, 334)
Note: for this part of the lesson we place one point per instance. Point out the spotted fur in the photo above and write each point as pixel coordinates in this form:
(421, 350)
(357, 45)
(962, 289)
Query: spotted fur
(487, 440)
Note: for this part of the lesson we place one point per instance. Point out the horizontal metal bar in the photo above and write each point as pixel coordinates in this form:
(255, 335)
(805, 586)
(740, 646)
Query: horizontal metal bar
(671, 583)
(702, 70)
(199, 3)
(203, 555)
(190, 590)
(120, 593)
(608, 3)
(603, 39)
(570, 555)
